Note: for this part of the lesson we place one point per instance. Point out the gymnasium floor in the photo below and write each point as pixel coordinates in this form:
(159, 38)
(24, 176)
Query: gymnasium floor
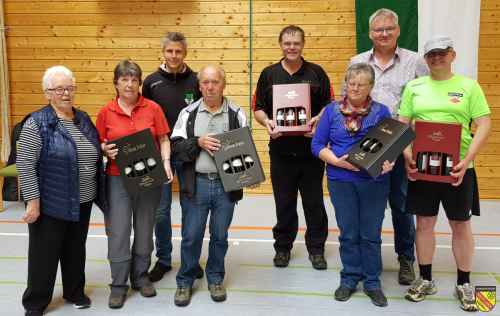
(255, 287)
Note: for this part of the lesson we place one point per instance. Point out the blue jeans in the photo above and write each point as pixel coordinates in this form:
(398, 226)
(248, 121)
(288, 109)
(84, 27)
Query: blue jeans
(209, 197)
(359, 210)
(163, 221)
(402, 221)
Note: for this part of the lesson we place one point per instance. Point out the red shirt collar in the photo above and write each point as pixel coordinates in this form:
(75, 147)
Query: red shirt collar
(141, 102)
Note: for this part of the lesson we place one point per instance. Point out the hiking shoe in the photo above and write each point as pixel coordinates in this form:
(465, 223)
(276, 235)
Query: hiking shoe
(217, 292)
(281, 259)
(318, 262)
(419, 289)
(343, 293)
(147, 290)
(183, 296)
(377, 296)
(116, 300)
(158, 271)
(82, 303)
(466, 297)
(406, 273)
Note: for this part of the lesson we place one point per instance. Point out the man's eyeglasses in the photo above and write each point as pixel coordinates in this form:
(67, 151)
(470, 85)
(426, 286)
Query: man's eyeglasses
(61, 90)
(381, 30)
(356, 85)
(437, 53)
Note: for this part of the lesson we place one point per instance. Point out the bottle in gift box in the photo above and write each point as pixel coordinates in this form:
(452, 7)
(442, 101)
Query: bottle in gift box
(151, 162)
(237, 165)
(435, 164)
(248, 162)
(447, 164)
(290, 117)
(280, 118)
(302, 117)
(422, 161)
(129, 172)
(140, 168)
(226, 167)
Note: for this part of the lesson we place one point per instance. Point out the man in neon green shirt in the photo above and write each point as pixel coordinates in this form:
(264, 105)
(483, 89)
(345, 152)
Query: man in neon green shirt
(445, 97)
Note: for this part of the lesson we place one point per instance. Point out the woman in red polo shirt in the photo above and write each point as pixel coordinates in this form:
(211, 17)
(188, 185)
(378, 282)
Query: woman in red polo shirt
(129, 113)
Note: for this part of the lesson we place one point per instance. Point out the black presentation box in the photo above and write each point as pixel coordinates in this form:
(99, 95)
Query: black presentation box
(139, 161)
(237, 161)
(386, 141)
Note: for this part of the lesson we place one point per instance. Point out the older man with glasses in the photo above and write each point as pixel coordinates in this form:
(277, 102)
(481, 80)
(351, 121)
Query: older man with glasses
(394, 67)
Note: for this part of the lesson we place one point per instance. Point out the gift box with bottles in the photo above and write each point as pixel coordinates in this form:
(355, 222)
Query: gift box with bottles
(139, 161)
(292, 108)
(385, 141)
(237, 161)
(436, 150)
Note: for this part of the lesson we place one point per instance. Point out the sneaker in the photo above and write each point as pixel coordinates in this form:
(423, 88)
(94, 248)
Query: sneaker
(217, 292)
(158, 271)
(182, 296)
(281, 259)
(318, 262)
(377, 296)
(343, 293)
(82, 303)
(406, 273)
(466, 296)
(419, 289)
(199, 273)
(147, 290)
(116, 300)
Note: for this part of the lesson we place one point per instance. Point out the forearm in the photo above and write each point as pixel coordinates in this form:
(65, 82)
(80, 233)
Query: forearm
(480, 138)
(165, 147)
(327, 156)
(261, 117)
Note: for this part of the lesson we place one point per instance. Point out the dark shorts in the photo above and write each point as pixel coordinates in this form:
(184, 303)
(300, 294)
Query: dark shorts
(459, 203)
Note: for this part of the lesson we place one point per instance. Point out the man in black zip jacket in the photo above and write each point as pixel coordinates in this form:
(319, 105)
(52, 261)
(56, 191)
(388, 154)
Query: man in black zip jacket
(173, 86)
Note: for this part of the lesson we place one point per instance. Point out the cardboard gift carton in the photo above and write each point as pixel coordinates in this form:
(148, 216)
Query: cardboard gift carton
(436, 150)
(292, 108)
(237, 161)
(385, 141)
(139, 161)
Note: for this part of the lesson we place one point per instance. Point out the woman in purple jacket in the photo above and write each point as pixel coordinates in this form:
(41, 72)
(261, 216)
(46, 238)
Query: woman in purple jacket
(359, 200)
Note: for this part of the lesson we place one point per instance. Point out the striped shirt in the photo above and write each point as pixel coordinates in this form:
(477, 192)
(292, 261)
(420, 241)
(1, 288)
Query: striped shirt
(391, 79)
(29, 148)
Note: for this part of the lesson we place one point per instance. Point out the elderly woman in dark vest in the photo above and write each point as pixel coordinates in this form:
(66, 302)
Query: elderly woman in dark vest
(60, 173)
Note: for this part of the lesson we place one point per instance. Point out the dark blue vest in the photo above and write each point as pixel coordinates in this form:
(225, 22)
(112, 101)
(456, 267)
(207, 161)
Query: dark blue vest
(58, 176)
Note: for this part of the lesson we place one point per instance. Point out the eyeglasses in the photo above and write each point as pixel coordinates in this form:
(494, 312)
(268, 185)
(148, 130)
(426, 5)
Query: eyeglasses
(437, 53)
(381, 30)
(356, 85)
(61, 90)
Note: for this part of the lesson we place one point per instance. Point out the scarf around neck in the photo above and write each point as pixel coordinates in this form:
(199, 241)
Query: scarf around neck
(353, 117)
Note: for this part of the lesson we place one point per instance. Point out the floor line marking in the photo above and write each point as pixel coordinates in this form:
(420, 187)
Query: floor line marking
(236, 241)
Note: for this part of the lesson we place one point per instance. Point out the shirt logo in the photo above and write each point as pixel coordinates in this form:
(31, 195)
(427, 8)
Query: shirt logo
(455, 97)
(188, 98)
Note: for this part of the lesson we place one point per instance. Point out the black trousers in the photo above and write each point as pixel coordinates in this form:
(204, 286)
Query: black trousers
(290, 175)
(51, 241)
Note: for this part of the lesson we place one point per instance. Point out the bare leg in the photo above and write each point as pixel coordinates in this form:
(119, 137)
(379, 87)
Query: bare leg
(425, 239)
(462, 244)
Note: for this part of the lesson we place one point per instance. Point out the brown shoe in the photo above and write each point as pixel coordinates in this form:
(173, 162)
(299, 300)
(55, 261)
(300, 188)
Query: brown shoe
(116, 300)
(147, 290)
(183, 296)
(217, 292)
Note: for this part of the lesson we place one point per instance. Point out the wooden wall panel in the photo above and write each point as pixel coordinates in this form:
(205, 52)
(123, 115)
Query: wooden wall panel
(91, 36)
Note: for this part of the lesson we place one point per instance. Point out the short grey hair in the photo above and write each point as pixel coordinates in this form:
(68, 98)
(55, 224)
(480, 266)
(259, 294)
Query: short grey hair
(219, 69)
(173, 37)
(385, 13)
(360, 68)
(55, 70)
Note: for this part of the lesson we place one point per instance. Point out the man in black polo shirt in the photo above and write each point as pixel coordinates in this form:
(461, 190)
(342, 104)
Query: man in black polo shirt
(173, 86)
(293, 167)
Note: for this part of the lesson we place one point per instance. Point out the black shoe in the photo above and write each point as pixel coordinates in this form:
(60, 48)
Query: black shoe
(31, 312)
(343, 293)
(199, 273)
(377, 296)
(281, 259)
(82, 303)
(116, 300)
(158, 271)
(406, 274)
(318, 262)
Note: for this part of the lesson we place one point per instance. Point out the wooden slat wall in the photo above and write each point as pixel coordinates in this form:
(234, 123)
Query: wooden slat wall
(90, 37)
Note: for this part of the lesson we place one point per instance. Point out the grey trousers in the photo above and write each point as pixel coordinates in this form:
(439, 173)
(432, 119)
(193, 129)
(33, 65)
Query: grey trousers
(124, 213)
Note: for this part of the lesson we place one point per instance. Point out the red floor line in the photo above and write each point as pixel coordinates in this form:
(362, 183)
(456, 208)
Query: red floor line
(269, 228)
